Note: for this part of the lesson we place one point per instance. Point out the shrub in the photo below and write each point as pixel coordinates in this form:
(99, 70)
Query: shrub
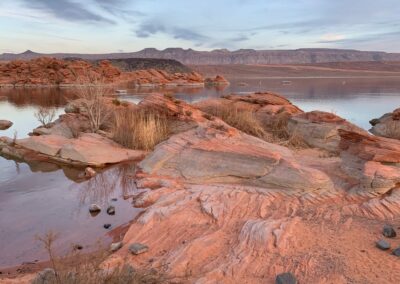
(140, 129)
(116, 102)
(45, 115)
(78, 268)
(188, 113)
(243, 120)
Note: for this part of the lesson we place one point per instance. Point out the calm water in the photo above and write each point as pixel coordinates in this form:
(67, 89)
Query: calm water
(39, 197)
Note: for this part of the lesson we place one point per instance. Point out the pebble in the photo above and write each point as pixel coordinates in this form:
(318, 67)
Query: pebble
(286, 278)
(383, 245)
(389, 232)
(106, 226)
(138, 248)
(396, 252)
(94, 208)
(115, 246)
(111, 210)
(114, 199)
(77, 247)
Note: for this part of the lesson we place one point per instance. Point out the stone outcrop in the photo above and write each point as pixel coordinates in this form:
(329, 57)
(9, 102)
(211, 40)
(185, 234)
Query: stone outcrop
(320, 129)
(217, 80)
(5, 124)
(52, 71)
(387, 125)
(88, 149)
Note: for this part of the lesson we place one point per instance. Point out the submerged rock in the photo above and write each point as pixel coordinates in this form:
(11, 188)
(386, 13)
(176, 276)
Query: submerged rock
(138, 248)
(107, 226)
(5, 124)
(285, 278)
(111, 210)
(94, 208)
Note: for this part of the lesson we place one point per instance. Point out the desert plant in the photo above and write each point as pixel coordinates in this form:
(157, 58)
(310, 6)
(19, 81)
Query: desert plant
(92, 93)
(243, 120)
(139, 129)
(78, 268)
(45, 115)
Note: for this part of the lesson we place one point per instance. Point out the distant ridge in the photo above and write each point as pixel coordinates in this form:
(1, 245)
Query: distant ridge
(224, 56)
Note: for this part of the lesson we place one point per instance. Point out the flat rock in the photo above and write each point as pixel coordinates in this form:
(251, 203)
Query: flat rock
(115, 246)
(94, 208)
(138, 248)
(49, 144)
(5, 124)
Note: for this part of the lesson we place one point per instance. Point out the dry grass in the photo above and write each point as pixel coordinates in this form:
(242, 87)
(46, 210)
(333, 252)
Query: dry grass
(140, 129)
(243, 120)
(78, 268)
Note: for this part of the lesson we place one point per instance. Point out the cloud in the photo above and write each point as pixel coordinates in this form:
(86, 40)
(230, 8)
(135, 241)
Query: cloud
(151, 28)
(332, 38)
(67, 10)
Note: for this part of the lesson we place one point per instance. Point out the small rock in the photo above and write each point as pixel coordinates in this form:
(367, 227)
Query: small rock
(115, 246)
(46, 276)
(89, 172)
(138, 248)
(286, 278)
(383, 245)
(94, 208)
(389, 232)
(396, 252)
(5, 124)
(114, 199)
(374, 121)
(77, 247)
(106, 226)
(111, 210)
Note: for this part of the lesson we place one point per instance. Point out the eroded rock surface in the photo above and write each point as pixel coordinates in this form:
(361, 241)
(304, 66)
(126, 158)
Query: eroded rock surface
(387, 125)
(5, 124)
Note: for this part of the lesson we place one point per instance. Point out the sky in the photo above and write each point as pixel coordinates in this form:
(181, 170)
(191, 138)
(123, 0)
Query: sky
(100, 26)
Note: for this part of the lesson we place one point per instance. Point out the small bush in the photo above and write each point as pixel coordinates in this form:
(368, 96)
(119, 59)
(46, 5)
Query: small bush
(140, 129)
(45, 115)
(243, 120)
(188, 113)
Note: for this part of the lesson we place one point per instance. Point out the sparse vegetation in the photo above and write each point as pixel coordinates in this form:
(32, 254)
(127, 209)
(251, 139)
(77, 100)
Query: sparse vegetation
(78, 268)
(116, 102)
(45, 115)
(140, 129)
(188, 113)
(243, 120)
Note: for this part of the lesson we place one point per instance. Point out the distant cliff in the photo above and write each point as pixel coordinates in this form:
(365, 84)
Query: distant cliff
(223, 56)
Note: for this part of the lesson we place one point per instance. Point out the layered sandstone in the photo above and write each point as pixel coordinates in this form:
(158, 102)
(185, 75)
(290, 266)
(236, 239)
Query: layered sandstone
(52, 71)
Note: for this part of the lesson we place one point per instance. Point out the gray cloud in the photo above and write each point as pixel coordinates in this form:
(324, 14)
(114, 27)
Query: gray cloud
(67, 10)
(150, 28)
(118, 9)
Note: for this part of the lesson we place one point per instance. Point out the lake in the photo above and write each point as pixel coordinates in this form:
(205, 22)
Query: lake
(38, 197)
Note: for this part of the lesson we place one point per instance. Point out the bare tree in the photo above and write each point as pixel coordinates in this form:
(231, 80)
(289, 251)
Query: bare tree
(92, 93)
(45, 115)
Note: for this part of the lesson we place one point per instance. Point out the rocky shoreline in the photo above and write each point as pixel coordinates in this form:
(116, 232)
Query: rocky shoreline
(307, 194)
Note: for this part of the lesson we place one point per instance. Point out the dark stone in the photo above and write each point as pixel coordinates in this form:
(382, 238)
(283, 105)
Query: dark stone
(396, 252)
(94, 208)
(286, 278)
(77, 247)
(383, 245)
(106, 226)
(114, 199)
(138, 248)
(111, 210)
(374, 121)
(389, 232)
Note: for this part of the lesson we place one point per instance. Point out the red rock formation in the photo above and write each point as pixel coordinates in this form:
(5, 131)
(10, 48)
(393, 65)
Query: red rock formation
(217, 80)
(51, 71)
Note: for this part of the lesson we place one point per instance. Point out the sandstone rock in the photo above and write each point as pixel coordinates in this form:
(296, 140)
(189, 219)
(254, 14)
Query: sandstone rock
(286, 278)
(320, 129)
(90, 172)
(138, 248)
(115, 246)
(49, 144)
(388, 125)
(389, 232)
(383, 245)
(5, 124)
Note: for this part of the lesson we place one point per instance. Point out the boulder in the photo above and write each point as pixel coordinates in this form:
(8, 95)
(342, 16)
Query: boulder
(115, 246)
(388, 231)
(383, 245)
(5, 124)
(285, 278)
(320, 129)
(94, 208)
(138, 248)
(387, 125)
